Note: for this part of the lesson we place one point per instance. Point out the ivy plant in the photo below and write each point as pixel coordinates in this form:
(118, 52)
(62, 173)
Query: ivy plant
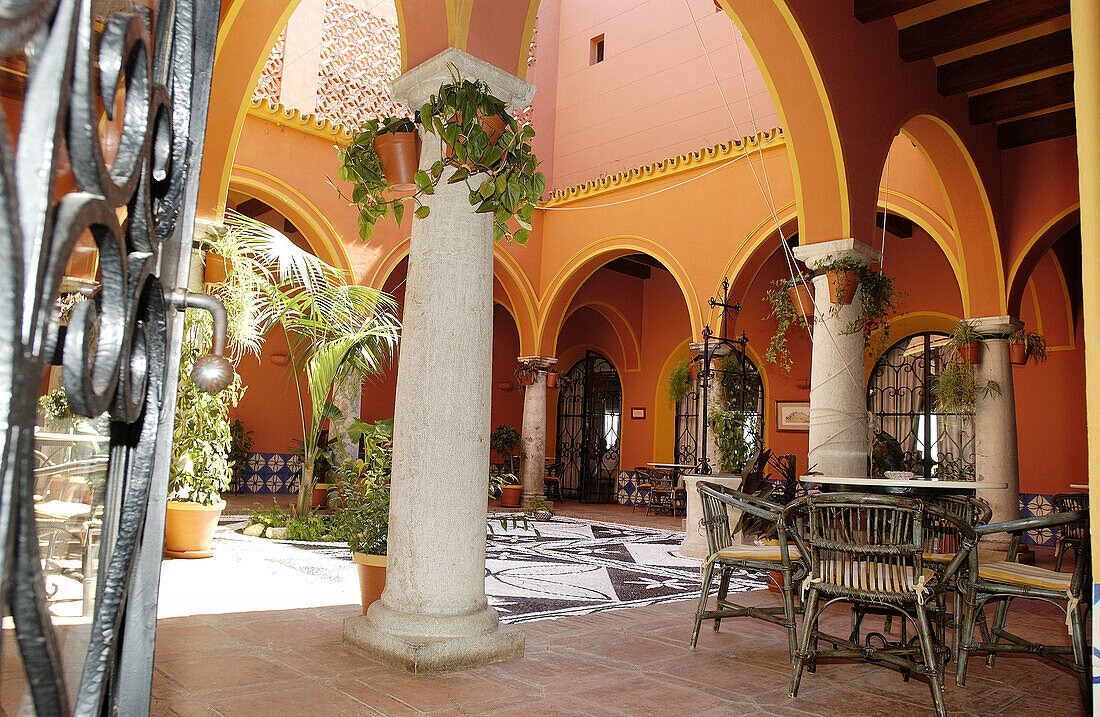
(785, 316)
(502, 176)
(729, 434)
(877, 295)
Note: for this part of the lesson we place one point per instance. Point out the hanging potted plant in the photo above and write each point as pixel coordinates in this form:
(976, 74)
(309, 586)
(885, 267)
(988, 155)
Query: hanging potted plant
(551, 379)
(955, 389)
(397, 144)
(843, 277)
(680, 380)
(497, 166)
(783, 302)
(525, 375)
(966, 343)
(1026, 345)
(801, 295)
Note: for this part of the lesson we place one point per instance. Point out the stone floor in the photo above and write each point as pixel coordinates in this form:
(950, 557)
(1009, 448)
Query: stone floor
(624, 662)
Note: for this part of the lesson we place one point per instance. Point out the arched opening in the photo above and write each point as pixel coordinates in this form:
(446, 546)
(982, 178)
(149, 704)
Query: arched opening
(589, 428)
(912, 433)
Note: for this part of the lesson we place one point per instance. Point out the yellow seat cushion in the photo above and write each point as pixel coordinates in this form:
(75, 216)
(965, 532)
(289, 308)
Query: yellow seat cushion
(62, 510)
(768, 553)
(938, 557)
(1026, 575)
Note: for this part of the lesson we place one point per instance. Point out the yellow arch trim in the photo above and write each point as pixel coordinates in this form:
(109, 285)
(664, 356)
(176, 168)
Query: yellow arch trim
(458, 22)
(1034, 239)
(1069, 304)
(604, 309)
(976, 177)
(823, 96)
(604, 246)
(401, 34)
(300, 210)
(525, 40)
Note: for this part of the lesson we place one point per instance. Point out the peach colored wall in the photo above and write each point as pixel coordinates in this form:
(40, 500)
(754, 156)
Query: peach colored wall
(654, 95)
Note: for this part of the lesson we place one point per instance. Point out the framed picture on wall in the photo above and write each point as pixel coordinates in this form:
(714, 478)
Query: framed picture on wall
(792, 415)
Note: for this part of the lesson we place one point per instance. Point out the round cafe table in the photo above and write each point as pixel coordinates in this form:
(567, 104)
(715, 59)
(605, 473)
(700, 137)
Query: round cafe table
(914, 487)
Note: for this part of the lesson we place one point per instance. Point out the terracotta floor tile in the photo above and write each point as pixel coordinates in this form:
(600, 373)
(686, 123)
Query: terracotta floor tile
(207, 673)
(306, 699)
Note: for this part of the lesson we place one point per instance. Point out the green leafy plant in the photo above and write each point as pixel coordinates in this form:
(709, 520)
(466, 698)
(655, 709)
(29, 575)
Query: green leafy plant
(359, 165)
(501, 176)
(505, 440)
(785, 317)
(54, 405)
(955, 389)
(273, 517)
(1034, 343)
(240, 445)
(679, 381)
(729, 434)
(961, 335)
(202, 440)
(366, 502)
(539, 506)
(877, 295)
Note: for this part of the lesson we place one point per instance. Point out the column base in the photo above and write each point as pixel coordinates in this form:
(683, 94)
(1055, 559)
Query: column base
(525, 500)
(424, 653)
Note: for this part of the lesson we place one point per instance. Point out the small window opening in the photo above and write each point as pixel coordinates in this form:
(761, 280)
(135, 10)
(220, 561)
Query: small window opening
(596, 53)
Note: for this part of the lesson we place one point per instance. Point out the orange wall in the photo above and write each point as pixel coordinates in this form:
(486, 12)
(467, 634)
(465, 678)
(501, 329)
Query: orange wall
(654, 95)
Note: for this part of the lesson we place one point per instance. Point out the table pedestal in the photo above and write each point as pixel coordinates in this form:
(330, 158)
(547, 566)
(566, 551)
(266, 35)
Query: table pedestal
(695, 537)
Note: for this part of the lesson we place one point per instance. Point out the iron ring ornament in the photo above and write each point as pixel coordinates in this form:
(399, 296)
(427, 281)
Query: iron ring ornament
(131, 185)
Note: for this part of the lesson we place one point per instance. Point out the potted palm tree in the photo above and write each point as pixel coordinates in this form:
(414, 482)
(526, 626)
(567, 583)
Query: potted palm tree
(364, 490)
(202, 441)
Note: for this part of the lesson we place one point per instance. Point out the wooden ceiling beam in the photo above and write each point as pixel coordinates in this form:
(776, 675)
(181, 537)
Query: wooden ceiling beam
(896, 225)
(1035, 55)
(1052, 125)
(623, 265)
(974, 24)
(1022, 99)
(252, 207)
(871, 10)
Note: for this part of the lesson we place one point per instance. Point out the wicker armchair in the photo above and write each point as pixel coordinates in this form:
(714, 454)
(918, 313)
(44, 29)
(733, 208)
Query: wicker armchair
(726, 555)
(1005, 581)
(1069, 535)
(870, 549)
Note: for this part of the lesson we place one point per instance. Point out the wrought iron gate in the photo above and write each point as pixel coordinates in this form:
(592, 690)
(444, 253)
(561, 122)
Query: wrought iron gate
(899, 397)
(687, 426)
(113, 114)
(589, 425)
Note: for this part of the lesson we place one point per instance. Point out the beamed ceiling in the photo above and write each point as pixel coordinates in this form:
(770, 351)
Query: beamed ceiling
(1012, 58)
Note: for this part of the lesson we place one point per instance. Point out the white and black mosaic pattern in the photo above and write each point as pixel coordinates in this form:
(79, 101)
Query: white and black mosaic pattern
(576, 567)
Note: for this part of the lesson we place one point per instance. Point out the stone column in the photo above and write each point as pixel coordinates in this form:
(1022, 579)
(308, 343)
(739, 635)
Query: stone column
(348, 398)
(714, 400)
(433, 614)
(996, 459)
(532, 464)
(839, 430)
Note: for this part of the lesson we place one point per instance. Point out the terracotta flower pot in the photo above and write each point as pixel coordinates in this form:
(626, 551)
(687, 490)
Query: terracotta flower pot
(802, 298)
(1017, 353)
(971, 352)
(217, 268)
(693, 371)
(551, 379)
(320, 494)
(399, 153)
(372, 577)
(493, 125)
(510, 496)
(526, 378)
(189, 529)
(778, 576)
(842, 286)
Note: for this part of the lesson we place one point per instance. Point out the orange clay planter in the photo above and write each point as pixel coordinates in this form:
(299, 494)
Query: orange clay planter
(399, 153)
(320, 495)
(802, 298)
(189, 529)
(372, 577)
(493, 125)
(842, 286)
(510, 496)
(971, 353)
(551, 379)
(1017, 353)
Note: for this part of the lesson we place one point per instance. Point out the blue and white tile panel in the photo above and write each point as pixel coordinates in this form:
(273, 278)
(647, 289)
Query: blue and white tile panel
(270, 473)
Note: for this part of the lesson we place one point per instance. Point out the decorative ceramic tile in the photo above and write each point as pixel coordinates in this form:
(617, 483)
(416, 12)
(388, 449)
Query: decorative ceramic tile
(1031, 506)
(271, 473)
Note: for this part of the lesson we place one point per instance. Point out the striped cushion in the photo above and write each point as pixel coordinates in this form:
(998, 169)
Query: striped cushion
(939, 557)
(1026, 575)
(767, 553)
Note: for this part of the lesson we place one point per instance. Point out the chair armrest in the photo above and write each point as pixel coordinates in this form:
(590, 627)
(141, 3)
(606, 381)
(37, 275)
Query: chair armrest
(739, 501)
(1022, 525)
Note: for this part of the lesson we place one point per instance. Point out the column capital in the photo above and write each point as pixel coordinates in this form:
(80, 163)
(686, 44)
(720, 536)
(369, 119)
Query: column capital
(815, 255)
(414, 86)
(539, 362)
(995, 325)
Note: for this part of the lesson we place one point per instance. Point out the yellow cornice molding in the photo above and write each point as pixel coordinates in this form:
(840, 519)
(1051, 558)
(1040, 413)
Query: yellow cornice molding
(294, 119)
(698, 159)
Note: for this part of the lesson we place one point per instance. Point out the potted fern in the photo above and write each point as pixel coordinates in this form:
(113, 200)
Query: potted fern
(956, 390)
(1027, 345)
(679, 381)
(482, 146)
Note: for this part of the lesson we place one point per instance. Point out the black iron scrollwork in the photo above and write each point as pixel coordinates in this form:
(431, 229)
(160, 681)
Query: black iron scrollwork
(72, 174)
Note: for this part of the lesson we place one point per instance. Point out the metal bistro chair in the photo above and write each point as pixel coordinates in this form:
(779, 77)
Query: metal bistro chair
(869, 549)
(725, 556)
(1005, 581)
(1069, 535)
(659, 490)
